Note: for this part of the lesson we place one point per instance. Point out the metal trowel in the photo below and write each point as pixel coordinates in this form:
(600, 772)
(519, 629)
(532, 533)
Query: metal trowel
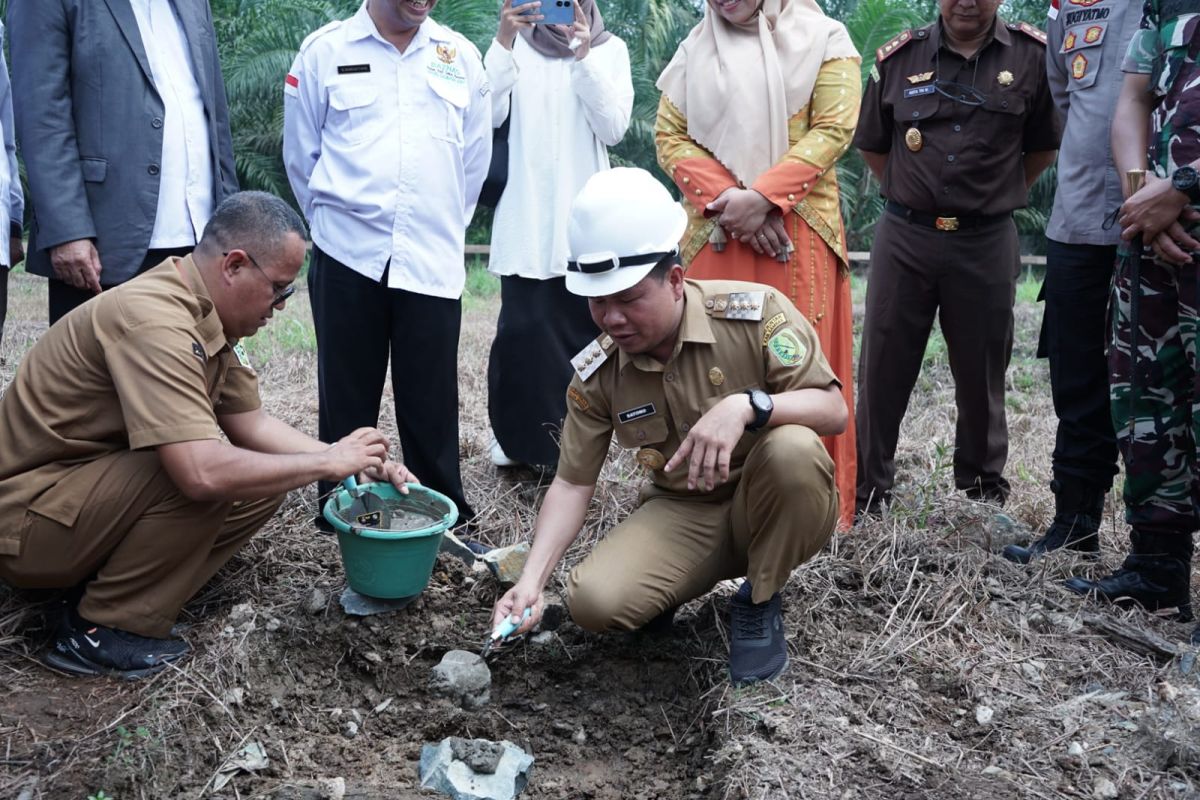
(502, 631)
(367, 509)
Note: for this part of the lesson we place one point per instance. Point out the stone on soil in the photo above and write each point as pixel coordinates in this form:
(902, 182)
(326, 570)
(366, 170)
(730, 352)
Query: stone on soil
(449, 768)
(506, 563)
(464, 677)
(317, 601)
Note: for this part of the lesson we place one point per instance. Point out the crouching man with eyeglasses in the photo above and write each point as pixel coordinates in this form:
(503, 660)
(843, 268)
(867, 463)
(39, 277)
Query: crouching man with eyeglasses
(957, 123)
(722, 389)
(137, 458)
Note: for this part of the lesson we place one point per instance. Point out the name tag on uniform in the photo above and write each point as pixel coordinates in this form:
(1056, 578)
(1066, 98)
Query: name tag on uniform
(917, 91)
(637, 413)
(351, 69)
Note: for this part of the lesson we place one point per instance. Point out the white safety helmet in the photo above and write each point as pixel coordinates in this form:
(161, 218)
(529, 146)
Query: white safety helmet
(623, 222)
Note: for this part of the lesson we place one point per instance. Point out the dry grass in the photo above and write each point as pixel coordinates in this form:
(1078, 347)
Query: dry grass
(923, 664)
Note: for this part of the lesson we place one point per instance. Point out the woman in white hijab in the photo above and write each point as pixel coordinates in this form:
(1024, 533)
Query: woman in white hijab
(758, 104)
(570, 96)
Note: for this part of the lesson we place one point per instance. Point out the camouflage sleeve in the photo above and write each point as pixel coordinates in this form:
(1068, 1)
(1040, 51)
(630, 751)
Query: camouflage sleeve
(1144, 47)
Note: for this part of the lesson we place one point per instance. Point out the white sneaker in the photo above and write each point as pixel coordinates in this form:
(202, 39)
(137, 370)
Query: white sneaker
(497, 455)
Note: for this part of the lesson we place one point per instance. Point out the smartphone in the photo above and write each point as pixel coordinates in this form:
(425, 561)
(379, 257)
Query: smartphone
(554, 12)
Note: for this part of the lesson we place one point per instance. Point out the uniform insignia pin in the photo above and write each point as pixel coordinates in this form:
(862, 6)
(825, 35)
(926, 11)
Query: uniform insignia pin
(920, 77)
(913, 139)
(1005, 78)
(715, 376)
(651, 459)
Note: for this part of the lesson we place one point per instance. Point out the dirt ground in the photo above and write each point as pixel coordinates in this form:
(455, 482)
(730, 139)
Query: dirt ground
(923, 665)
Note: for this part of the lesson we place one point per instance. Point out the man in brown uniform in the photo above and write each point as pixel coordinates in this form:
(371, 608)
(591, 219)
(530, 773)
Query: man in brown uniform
(957, 122)
(722, 388)
(137, 458)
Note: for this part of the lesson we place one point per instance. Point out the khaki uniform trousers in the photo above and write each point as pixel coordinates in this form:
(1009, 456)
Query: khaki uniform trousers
(144, 546)
(675, 548)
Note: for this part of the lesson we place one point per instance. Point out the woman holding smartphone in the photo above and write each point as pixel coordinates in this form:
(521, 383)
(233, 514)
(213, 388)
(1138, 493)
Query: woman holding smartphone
(568, 95)
(758, 104)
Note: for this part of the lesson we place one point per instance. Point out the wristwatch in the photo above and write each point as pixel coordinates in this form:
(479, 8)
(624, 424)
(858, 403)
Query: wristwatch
(762, 404)
(1186, 180)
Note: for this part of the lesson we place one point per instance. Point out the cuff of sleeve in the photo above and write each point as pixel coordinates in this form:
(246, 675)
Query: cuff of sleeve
(153, 437)
(786, 185)
(701, 180)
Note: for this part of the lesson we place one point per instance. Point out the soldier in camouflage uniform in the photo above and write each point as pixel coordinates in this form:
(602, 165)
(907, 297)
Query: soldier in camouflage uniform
(1153, 366)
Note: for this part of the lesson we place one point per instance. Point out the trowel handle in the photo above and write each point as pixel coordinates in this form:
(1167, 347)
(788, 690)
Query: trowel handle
(507, 628)
(351, 485)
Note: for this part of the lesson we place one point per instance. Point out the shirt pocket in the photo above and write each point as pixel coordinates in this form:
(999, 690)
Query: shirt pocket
(354, 113)
(645, 432)
(915, 110)
(447, 106)
(1003, 117)
(1081, 52)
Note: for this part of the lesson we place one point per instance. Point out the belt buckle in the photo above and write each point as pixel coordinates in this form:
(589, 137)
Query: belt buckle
(946, 223)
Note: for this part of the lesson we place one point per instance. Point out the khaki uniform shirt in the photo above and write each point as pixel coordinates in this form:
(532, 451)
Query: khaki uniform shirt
(960, 159)
(142, 365)
(734, 336)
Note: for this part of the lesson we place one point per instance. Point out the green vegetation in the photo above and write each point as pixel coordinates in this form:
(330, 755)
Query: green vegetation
(259, 39)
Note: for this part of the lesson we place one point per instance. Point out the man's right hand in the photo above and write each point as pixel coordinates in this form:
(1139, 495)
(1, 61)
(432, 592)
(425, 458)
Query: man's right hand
(513, 605)
(77, 264)
(365, 449)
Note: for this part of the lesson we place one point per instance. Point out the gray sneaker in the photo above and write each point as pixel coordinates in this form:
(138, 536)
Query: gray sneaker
(757, 647)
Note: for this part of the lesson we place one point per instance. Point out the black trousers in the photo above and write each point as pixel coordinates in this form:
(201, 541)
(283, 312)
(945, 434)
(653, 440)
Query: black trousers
(541, 326)
(359, 324)
(967, 279)
(65, 298)
(3, 299)
(1076, 292)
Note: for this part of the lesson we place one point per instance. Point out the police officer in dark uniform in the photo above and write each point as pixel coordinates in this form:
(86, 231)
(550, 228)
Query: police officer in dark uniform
(957, 122)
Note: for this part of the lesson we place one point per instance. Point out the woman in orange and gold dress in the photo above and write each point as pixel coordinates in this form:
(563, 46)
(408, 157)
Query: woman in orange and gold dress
(758, 104)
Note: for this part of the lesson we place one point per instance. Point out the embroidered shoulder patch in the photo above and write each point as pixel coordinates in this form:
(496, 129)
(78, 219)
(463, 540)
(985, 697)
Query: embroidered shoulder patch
(242, 358)
(773, 325)
(787, 347)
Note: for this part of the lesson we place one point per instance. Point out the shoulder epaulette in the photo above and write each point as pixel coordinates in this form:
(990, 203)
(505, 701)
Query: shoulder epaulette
(736, 305)
(589, 359)
(319, 32)
(893, 45)
(1028, 30)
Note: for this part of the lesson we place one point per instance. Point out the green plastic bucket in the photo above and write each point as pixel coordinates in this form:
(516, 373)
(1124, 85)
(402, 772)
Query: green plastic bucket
(391, 563)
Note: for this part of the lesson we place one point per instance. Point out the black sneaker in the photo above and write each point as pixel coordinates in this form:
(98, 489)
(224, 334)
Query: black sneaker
(757, 647)
(1080, 534)
(82, 648)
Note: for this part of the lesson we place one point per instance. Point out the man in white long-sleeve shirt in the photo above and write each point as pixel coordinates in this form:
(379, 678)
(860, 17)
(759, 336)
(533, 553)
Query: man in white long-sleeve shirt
(12, 199)
(387, 140)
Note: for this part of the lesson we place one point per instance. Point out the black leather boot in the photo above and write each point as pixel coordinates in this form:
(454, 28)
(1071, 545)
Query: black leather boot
(1078, 512)
(1156, 575)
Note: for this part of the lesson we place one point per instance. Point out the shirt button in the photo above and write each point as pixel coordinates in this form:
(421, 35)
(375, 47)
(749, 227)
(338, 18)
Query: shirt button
(669, 377)
(156, 122)
(1004, 104)
(687, 180)
(685, 427)
(957, 128)
(697, 191)
(950, 158)
(791, 198)
(945, 190)
(152, 169)
(641, 435)
(916, 114)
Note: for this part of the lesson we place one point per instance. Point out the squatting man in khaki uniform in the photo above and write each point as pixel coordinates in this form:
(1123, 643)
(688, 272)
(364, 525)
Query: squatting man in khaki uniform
(137, 458)
(722, 388)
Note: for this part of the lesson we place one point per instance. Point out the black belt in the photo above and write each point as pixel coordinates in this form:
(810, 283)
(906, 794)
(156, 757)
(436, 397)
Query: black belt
(943, 223)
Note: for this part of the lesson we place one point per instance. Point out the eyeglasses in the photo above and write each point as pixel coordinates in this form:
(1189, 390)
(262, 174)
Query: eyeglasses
(281, 295)
(960, 92)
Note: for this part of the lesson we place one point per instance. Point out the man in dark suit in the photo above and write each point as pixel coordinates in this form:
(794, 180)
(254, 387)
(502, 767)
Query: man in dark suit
(121, 113)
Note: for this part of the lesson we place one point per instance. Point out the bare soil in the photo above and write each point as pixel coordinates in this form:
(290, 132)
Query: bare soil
(923, 664)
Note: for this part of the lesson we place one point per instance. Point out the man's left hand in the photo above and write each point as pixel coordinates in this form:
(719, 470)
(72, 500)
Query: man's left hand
(394, 473)
(710, 443)
(1151, 210)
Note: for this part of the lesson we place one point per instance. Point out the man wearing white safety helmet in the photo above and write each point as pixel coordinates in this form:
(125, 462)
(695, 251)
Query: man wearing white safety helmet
(722, 389)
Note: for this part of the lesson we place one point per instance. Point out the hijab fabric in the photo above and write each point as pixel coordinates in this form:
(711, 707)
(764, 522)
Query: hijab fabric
(738, 85)
(552, 42)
